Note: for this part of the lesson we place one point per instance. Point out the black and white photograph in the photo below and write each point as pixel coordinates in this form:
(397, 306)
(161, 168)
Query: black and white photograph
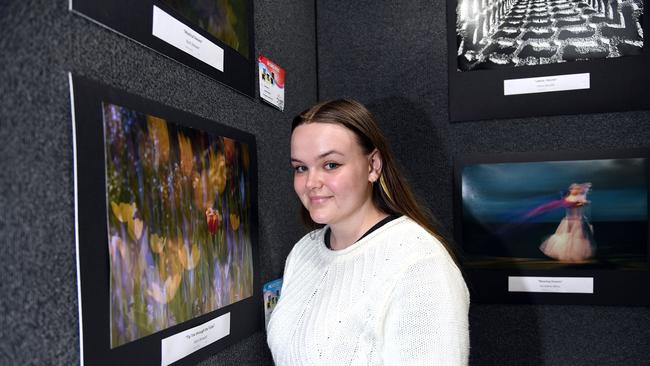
(564, 56)
(506, 33)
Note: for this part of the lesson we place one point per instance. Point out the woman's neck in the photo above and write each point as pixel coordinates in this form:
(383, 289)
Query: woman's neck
(344, 234)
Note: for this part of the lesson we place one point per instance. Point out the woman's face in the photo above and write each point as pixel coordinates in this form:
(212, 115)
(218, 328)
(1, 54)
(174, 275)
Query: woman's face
(332, 174)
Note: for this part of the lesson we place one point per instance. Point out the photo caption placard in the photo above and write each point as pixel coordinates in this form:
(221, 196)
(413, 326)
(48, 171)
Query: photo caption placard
(545, 84)
(182, 344)
(185, 39)
(576, 285)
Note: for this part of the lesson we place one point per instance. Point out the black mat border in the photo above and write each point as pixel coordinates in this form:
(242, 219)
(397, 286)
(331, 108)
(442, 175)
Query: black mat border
(616, 84)
(133, 19)
(92, 241)
(611, 287)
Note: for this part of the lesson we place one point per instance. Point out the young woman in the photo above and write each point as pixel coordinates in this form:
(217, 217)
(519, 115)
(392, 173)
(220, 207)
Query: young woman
(373, 284)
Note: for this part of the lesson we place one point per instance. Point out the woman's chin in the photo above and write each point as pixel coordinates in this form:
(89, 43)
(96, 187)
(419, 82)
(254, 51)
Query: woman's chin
(318, 218)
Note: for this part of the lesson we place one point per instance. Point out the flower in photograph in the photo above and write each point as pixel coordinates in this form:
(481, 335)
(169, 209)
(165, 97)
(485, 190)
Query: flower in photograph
(213, 218)
(165, 292)
(234, 221)
(186, 156)
(229, 149)
(169, 263)
(189, 258)
(217, 171)
(157, 243)
(125, 213)
(135, 227)
(203, 192)
(210, 181)
(119, 253)
(159, 136)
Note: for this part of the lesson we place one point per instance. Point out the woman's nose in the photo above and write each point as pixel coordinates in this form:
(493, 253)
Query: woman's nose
(313, 179)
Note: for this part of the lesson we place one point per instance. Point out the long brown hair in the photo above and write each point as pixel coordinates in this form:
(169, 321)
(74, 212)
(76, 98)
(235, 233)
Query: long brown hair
(392, 195)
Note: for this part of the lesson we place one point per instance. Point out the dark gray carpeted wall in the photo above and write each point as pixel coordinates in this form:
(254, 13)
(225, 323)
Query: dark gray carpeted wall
(40, 41)
(392, 55)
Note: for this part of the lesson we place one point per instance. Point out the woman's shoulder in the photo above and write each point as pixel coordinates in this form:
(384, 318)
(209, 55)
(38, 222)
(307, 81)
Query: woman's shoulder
(411, 253)
(407, 236)
(406, 243)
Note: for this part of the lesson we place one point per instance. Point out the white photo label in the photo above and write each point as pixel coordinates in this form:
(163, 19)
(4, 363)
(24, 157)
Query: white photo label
(181, 344)
(177, 34)
(576, 285)
(545, 84)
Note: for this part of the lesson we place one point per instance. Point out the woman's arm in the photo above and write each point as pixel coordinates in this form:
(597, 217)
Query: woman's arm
(426, 321)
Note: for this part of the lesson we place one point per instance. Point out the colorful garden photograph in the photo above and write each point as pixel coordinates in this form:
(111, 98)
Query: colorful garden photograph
(179, 222)
(227, 20)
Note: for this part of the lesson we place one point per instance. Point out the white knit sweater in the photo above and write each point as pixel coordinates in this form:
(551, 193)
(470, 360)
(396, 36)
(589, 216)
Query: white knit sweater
(394, 297)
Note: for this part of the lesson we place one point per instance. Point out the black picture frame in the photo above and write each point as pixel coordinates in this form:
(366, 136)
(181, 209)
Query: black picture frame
(92, 229)
(134, 20)
(616, 84)
(490, 261)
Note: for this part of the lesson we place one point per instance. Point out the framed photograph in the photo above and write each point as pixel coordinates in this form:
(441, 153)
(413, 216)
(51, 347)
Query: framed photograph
(166, 230)
(513, 59)
(555, 227)
(212, 37)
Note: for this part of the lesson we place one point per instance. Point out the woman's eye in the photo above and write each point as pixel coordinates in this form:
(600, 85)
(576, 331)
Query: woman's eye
(299, 169)
(330, 166)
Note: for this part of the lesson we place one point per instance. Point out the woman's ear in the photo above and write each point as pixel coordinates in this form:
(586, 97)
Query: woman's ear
(375, 166)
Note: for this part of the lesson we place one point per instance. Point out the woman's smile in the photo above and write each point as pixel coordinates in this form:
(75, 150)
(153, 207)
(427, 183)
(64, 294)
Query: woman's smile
(318, 200)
